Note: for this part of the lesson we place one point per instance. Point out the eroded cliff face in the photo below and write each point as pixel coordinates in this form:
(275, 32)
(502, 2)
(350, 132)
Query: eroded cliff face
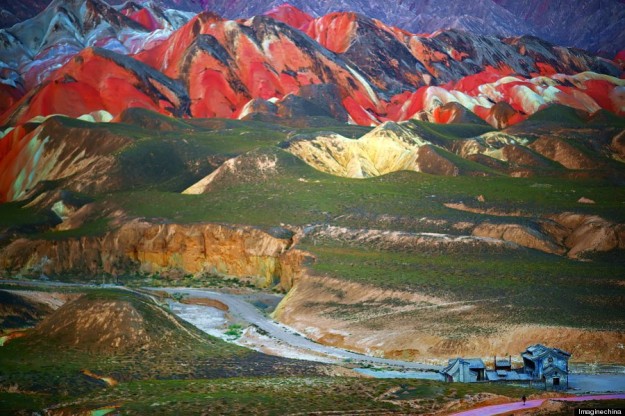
(169, 249)
(415, 326)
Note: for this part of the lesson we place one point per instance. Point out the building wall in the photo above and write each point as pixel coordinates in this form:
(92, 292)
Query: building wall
(562, 386)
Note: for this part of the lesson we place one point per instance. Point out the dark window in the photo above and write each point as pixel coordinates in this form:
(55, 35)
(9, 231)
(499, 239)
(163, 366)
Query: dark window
(556, 381)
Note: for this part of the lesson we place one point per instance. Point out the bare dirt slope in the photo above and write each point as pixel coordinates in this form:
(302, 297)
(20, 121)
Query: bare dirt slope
(414, 326)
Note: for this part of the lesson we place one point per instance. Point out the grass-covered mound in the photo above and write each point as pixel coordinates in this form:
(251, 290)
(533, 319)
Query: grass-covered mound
(110, 336)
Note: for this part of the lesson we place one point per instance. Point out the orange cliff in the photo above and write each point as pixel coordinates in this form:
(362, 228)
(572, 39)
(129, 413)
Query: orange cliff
(170, 249)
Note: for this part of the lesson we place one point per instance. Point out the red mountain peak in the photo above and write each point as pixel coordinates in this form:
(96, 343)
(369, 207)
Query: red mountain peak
(291, 15)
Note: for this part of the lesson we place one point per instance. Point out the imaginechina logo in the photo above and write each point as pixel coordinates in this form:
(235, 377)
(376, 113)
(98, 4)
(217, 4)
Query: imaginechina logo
(598, 412)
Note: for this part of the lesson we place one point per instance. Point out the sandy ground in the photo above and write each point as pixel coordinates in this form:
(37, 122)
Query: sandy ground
(414, 327)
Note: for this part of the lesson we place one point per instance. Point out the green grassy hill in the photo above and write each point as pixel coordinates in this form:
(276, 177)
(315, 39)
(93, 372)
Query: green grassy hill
(126, 337)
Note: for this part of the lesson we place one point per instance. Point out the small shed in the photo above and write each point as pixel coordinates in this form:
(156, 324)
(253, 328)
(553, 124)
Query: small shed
(463, 370)
(503, 364)
(547, 365)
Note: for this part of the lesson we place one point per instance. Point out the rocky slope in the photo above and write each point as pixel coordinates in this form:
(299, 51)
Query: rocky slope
(589, 26)
(93, 81)
(571, 234)
(54, 151)
(566, 234)
(112, 325)
(108, 179)
(32, 50)
(19, 312)
(16, 12)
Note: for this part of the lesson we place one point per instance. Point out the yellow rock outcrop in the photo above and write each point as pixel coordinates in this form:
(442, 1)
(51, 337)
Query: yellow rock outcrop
(390, 147)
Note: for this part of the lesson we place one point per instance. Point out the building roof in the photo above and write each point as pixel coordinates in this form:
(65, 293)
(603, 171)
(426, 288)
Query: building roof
(475, 363)
(452, 366)
(551, 369)
(472, 363)
(537, 351)
(503, 363)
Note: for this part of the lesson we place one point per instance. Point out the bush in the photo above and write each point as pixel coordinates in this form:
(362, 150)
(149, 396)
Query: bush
(234, 331)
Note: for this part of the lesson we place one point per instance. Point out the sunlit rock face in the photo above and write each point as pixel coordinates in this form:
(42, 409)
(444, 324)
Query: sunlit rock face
(388, 148)
(79, 57)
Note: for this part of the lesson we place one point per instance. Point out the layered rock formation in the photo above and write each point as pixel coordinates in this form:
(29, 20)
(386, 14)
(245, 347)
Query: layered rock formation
(52, 151)
(525, 151)
(588, 27)
(570, 234)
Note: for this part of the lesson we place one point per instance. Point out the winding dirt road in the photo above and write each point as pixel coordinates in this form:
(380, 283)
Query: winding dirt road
(246, 312)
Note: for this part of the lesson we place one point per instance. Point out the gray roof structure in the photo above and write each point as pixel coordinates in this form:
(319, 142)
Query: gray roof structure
(553, 369)
(538, 350)
(474, 364)
(503, 375)
(452, 366)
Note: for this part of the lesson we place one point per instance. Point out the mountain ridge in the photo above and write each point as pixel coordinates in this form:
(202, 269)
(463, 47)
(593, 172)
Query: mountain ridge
(381, 72)
(594, 26)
